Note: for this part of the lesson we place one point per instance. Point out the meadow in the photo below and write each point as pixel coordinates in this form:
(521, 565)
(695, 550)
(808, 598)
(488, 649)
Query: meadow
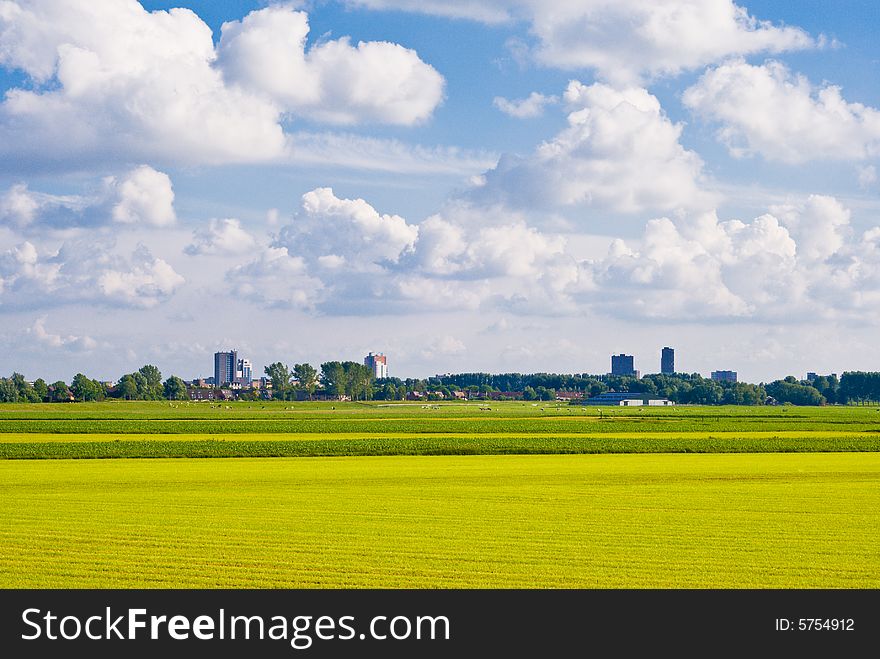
(679, 521)
(436, 496)
(140, 430)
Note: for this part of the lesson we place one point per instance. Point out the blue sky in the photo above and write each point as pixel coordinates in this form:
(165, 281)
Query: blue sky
(701, 174)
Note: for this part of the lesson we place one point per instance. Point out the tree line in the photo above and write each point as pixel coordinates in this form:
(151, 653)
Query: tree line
(356, 381)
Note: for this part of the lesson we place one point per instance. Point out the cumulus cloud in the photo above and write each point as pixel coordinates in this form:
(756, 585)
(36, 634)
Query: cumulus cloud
(332, 81)
(768, 110)
(820, 225)
(525, 108)
(345, 257)
(143, 196)
(112, 81)
(66, 342)
(84, 272)
(276, 279)
(140, 197)
(347, 230)
(800, 261)
(225, 237)
(620, 152)
(625, 41)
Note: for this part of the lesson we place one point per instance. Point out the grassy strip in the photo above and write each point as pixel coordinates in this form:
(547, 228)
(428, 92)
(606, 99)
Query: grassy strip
(498, 425)
(35, 438)
(430, 446)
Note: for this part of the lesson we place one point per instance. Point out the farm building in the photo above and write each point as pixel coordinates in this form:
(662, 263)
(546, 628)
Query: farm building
(625, 399)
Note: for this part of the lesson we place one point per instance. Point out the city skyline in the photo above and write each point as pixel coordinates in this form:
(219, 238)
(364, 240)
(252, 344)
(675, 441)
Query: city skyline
(499, 185)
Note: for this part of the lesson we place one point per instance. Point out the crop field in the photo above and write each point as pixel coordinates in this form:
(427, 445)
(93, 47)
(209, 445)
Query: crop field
(141, 430)
(437, 495)
(745, 520)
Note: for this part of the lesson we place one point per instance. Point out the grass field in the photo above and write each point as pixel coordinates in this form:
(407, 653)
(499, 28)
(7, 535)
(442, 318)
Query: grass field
(768, 520)
(141, 430)
(500, 495)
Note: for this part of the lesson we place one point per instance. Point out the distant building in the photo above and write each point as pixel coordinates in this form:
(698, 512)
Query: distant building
(667, 361)
(244, 372)
(623, 365)
(225, 367)
(624, 399)
(724, 376)
(811, 377)
(378, 363)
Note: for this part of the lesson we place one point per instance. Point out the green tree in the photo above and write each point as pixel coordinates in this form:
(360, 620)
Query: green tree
(60, 392)
(358, 380)
(545, 394)
(280, 376)
(174, 388)
(306, 377)
(26, 393)
(151, 389)
(333, 378)
(8, 391)
(785, 391)
(128, 388)
(141, 384)
(84, 389)
(529, 394)
(41, 389)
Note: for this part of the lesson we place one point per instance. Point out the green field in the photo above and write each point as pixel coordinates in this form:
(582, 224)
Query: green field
(792, 520)
(142, 430)
(467, 495)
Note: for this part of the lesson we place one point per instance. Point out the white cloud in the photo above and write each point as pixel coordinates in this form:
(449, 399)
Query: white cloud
(68, 342)
(491, 11)
(625, 41)
(144, 283)
(114, 82)
(620, 152)
(867, 176)
(333, 81)
(86, 271)
(525, 108)
(18, 207)
(140, 197)
(349, 229)
(819, 226)
(385, 155)
(799, 263)
(276, 279)
(224, 236)
(144, 196)
(769, 110)
(443, 346)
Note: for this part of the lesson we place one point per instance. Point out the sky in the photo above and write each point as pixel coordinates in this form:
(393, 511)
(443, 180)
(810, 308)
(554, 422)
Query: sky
(495, 185)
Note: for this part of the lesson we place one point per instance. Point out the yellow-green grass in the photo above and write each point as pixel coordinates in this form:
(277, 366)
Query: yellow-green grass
(15, 438)
(734, 520)
(82, 446)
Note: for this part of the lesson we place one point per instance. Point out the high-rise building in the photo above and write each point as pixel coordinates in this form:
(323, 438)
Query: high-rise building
(723, 376)
(622, 365)
(245, 371)
(667, 361)
(379, 364)
(225, 367)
